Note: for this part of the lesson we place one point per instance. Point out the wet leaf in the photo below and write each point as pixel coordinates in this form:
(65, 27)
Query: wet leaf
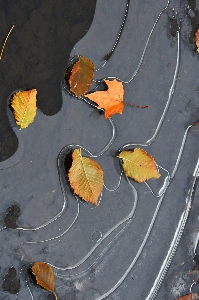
(86, 177)
(44, 276)
(139, 165)
(81, 76)
(197, 40)
(110, 100)
(24, 106)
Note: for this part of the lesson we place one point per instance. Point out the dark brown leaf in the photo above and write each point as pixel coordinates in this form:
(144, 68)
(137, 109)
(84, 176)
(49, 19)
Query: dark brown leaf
(81, 76)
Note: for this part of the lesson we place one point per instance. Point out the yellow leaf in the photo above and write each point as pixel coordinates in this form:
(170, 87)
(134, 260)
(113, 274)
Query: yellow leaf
(139, 165)
(81, 76)
(24, 106)
(197, 40)
(85, 177)
(44, 276)
(111, 100)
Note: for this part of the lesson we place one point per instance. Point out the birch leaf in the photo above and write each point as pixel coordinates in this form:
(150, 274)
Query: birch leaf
(139, 165)
(110, 100)
(81, 76)
(44, 276)
(24, 106)
(85, 177)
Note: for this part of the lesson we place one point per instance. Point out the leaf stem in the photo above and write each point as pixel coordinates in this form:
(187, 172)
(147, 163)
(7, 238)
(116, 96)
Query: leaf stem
(135, 105)
(6, 41)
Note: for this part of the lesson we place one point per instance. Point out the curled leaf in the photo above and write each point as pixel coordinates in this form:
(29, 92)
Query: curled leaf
(139, 165)
(24, 106)
(44, 276)
(81, 76)
(85, 177)
(111, 100)
(197, 40)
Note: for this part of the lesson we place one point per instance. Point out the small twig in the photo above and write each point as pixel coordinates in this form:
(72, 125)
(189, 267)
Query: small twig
(6, 41)
(139, 106)
(55, 296)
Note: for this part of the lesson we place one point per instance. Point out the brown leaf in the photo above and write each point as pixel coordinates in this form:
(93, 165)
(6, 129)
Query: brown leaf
(111, 100)
(139, 165)
(44, 276)
(81, 76)
(191, 296)
(197, 40)
(196, 123)
(85, 177)
(24, 106)
(195, 270)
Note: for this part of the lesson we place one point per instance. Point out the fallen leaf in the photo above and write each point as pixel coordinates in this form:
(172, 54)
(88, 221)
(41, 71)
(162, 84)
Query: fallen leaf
(197, 40)
(85, 177)
(81, 76)
(191, 296)
(110, 100)
(24, 106)
(44, 276)
(139, 165)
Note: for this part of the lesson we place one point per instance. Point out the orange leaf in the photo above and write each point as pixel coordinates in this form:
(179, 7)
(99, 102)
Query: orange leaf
(24, 106)
(81, 76)
(44, 276)
(197, 40)
(139, 165)
(191, 296)
(111, 100)
(86, 177)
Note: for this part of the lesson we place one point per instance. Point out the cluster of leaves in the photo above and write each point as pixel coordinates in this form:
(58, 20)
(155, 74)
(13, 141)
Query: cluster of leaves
(80, 80)
(86, 176)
